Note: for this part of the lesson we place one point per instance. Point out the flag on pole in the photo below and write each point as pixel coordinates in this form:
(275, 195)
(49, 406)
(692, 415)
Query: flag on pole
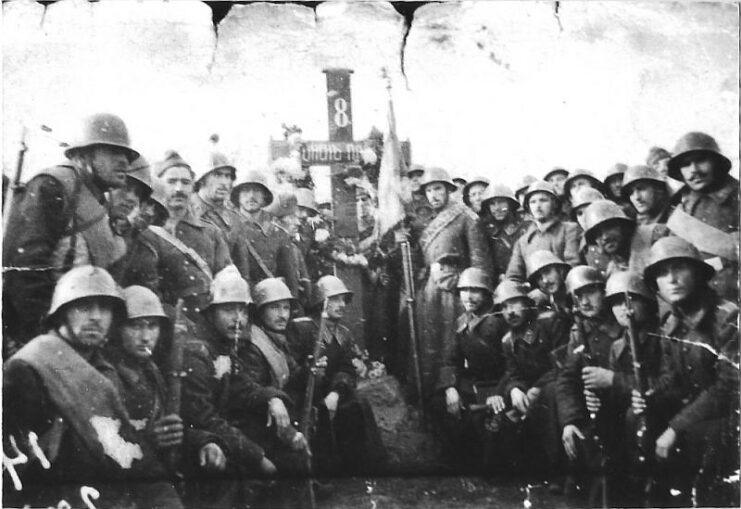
(393, 167)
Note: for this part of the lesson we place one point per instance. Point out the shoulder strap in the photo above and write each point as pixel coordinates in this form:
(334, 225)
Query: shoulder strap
(180, 246)
(257, 257)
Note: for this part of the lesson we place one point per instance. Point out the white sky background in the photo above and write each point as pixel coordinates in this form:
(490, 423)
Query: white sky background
(495, 88)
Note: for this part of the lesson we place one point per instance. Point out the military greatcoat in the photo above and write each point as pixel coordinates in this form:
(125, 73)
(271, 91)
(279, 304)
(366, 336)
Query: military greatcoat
(559, 237)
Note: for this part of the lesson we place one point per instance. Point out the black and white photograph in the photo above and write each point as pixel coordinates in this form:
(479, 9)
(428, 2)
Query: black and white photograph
(369, 254)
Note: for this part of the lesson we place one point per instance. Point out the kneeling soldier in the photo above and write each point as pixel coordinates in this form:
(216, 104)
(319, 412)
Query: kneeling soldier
(471, 374)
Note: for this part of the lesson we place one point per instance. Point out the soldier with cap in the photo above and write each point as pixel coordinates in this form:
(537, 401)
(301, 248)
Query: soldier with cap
(210, 203)
(710, 195)
(584, 196)
(347, 437)
(529, 386)
(471, 374)
(648, 193)
(62, 404)
(699, 377)
(473, 193)
(124, 207)
(612, 241)
(60, 221)
(546, 232)
(179, 258)
(451, 242)
(502, 225)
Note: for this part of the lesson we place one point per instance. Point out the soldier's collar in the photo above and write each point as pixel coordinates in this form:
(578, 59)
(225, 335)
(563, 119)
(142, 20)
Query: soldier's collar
(544, 227)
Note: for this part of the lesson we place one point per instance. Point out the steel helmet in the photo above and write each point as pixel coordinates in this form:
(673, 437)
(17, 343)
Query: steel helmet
(305, 199)
(584, 197)
(139, 172)
(509, 289)
(523, 185)
(159, 195)
(228, 287)
(82, 282)
(617, 170)
(582, 276)
(539, 260)
(103, 129)
(438, 175)
(283, 205)
(214, 161)
(254, 178)
(460, 181)
(172, 160)
(599, 213)
(641, 173)
(500, 191)
(674, 248)
(540, 186)
(474, 277)
(581, 174)
(622, 281)
(415, 168)
(656, 154)
(476, 180)
(270, 290)
(555, 170)
(696, 143)
(329, 286)
(142, 302)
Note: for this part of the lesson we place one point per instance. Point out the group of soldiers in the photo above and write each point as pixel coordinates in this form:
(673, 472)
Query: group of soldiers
(170, 322)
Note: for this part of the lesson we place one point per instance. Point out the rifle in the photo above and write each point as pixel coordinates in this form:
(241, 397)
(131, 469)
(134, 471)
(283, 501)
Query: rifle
(307, 415)
(406, 263)
(15, 184)
(175, 374)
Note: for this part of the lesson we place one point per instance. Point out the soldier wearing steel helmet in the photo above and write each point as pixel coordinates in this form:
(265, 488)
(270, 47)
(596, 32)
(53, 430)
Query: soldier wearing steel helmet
(547, 231)
(472, 372)
(502, 224)
(584, 196)
(648, 193)
(711, 195)
(697, 387)
(60, 387)
(347, 439)
(60, 221)
(124, 206)
(546, 274)
(613, 185)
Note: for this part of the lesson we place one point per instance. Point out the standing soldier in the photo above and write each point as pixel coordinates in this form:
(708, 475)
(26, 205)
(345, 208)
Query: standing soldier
(579, 179)
(307, 213)
(124, 205)
(473, 193)
(419, 208)
(471, 374)
(699, 379)
(60, 221)
(546, 232)
(711, 196)
(584, 197)
(520, 191)
(178, 260)
(502, 225)
(613, 185)
(61, 407)
(648, 193)
(451, 242)
(209, 203)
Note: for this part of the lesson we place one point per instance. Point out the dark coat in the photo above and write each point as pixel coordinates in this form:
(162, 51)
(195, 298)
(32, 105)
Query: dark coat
(559, 237)
(502, 238)
(621, 363)
(273, 245)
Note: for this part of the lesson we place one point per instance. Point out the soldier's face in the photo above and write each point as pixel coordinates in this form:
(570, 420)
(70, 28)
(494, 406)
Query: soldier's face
(499, 208)
(550, 280)
(698, 172)
(437, 195)
(365, 205)
(577, 184)
(611, 238)
(275, 316)
(542, 206)
(641, 310)
(140, 335)
(662, 166)
(557, 180)
(643, 196)
(125, 200)
(230, 319)
(475, 195)
(676, 280)
(516, 311)
(473, 299)
(110, 165)
(579, 213)
(251, 198)
(88, 320)
(217, 184)
(590, 300)
(416, 180)
(178, 187)
(616, 184)
(336, 307)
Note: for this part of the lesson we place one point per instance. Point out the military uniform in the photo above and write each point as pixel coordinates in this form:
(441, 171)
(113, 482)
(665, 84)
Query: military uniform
(273, 245)
(59, 221)
(635, 258)
(502, 238)
(353, 432)
(454, 240)
(161, 266)
(559, 237)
